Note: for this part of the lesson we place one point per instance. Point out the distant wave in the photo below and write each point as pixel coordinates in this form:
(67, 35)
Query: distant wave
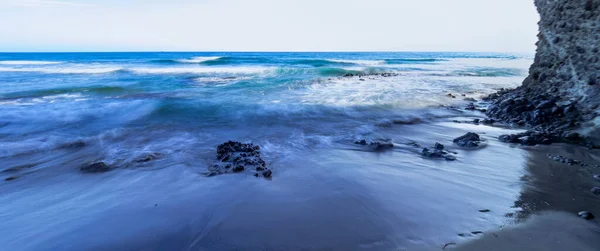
(102, 90)
(329, 71)
(411, 60)
(349, 62)
(489, 72)
(198, 70)
(194, 60)
(358, 62)
(319, 62)
(27, 62)
(74, 70)
(197, 60)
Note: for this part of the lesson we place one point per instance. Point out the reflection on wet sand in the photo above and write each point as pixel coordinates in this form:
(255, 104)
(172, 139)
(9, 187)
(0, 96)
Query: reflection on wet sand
(552, 185)
(553, 193)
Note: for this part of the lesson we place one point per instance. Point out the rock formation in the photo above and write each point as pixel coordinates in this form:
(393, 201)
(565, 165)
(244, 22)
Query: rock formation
(562, 91)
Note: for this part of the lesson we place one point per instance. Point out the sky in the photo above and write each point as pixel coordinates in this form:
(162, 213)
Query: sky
(268, 25)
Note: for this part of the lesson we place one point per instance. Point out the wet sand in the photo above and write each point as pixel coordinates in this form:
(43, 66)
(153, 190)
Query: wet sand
(337, 196)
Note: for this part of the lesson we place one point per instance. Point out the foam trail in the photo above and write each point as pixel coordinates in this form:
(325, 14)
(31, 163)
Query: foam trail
(27, 62)
(199, 70)
(197, 60)
(98, 70)
(358, 62)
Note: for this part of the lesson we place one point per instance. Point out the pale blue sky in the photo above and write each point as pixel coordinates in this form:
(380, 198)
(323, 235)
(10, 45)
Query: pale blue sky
(268, 25)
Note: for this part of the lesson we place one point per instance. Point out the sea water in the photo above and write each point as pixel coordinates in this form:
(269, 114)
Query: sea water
(59, 111)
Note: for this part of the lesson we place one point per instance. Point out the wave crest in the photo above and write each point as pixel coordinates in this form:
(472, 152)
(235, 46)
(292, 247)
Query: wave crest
(27, 62)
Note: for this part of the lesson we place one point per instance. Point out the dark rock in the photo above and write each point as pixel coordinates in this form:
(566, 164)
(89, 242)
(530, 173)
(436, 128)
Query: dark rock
(476, 121)
(470, 107)
(572, 136)
(361, 142)
(450, 95)
(382, 145)
(566, 160)
(97, 167)
(437, 153)
(597, 176)
(488, 121)
(238, 169)
(586, 215)
(596, 190)
(411, 121)
(565, 69)
(470, 140)
(11, 178)
(267, 173)
(439, 146)
(236, 157)
(148, 157)
(545, 105)
(484, 211)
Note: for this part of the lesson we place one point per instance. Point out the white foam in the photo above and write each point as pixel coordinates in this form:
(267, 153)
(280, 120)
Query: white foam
(197, 60)
(95, 70)
(199, 70)
(359, 62)
(27, 62)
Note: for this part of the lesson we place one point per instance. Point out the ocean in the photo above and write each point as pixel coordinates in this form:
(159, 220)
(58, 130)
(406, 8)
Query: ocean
(60, 111)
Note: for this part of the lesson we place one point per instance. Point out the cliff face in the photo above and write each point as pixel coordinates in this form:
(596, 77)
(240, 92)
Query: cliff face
(562, 91)
(567, 61)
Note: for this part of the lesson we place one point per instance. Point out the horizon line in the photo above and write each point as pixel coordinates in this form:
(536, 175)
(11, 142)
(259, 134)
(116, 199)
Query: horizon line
(258, 51)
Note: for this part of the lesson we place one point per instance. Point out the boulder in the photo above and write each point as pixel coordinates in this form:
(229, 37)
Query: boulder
(236, 157)
(97, 167)
(469, 140)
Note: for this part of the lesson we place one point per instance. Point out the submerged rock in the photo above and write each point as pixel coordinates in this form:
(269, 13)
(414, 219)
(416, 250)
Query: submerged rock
(470, 140)
(236, 157)
(148, 157)
(97, 167)
(596, 190)
(437, 153)
(381, 145)
(586, 215)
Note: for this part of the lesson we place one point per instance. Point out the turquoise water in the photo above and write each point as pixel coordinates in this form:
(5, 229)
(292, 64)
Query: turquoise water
(64, 97)
(59, 111)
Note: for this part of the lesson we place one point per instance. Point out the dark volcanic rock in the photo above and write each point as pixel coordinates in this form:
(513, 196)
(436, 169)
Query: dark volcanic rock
(546, 137)
(437, 153)
(377, 146)
(236, 157)
(566, 160)
(586, 215)
(470, 140)
(97, 167)
(596, 190)
(148, 157)
(561, 92)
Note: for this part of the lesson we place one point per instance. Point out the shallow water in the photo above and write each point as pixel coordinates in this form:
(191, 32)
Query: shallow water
(60, 111)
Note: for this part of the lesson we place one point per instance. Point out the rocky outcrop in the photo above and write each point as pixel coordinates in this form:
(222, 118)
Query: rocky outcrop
(438, 152)
(562, 91)
(469, 140)
(236, 157)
